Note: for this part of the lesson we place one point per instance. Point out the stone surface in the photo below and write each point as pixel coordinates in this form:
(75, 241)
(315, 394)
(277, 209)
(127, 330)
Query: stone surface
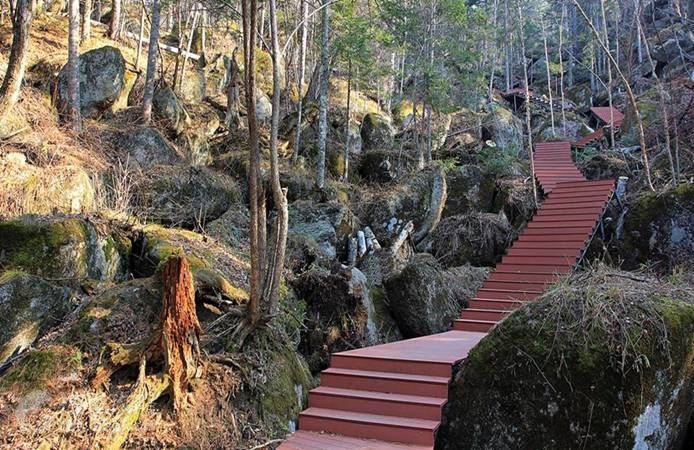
(28, 305)
(102, 82)
(147, 147)
(424, 298)
(376, 132)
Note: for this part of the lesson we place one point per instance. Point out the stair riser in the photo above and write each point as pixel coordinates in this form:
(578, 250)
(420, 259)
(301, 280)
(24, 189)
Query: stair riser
(360, 383)
(558, 231)
(510, 285)
(491, 304)
(510, 277)
(506, 295)
(495, 316)
(474, 327)
(547, 260)
(368, 431)
(540, 246)
(540, 252)
(375, 406)
(391, 365)
(549, 238)
(559, 269)
(558, 224)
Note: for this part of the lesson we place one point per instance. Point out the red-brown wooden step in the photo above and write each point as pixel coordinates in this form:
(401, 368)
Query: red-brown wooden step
(507, 295)
(395, 383)
(513, 285)
(503, 305)
(500, 275)
(307, 440)
(567, 251)
(370, 426)
(380, 403)
(490, 315)
(473, 325)
(392, 365)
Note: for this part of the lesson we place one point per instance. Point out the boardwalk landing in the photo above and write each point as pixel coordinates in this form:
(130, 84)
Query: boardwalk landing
(391, 396)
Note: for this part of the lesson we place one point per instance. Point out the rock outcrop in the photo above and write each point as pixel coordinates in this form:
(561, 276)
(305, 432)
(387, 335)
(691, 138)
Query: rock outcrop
(601, 362)
(102, 82)
(425, 298)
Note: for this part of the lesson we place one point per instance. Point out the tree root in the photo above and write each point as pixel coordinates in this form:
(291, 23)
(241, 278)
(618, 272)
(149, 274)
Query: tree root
(147, 390)
(176, 342)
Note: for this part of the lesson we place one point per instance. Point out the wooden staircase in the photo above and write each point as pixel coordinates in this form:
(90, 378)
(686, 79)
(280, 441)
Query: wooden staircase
(391, 396)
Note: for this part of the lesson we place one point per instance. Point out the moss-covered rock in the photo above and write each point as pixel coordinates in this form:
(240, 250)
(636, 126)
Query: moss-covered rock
(146, 147)
(29, 189)
(478, 239)
(660, 227)
(168, 108)
(63, 248)
(602, 362)
(185, 196)
(424, 298)
(28, 306)
(502, 127)
(38, 368)
(376, 132)
(469, 189)
(345, 319)
(327, 224)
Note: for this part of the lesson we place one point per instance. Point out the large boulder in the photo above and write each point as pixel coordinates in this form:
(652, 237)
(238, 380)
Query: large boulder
(376, 132)
(170, 109)
(195, 139)
(424, 298)
(350, 317)
(470, 189)
(660, 227)
(420, 199)
(184, 196)
(102, 82)
(502, 127)
(601, 362)
(263, 106)
(194, 86)
(63, 248)
(29, 189)
(478, 239)
(146, 147)
(327, 224)
(383, 166)
(28, 305)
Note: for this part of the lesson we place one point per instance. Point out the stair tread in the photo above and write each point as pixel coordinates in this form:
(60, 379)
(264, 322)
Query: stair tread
(312, 440)
(387, 375)
(350, 416)
(374, 395)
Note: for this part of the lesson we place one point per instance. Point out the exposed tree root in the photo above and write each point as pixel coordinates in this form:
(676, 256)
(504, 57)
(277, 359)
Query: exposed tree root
(176, 342)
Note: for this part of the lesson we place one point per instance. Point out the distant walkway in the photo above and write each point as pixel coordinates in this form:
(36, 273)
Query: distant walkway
(391, 396)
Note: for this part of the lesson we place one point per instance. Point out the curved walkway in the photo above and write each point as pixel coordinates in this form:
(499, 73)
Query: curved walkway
(391, 396)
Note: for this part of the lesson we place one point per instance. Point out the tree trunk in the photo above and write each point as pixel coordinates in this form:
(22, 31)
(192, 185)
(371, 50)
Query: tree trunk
(609, 73)
(250, 24)
(300, 81)
(345, 174)
(73, 73)
(180, 326)
(87, 20)
(151, 62)
(233, 71)
(141, 37)
(528, 125)
(97, 10)
(190, 43)
(279, 242)
(12, 82)
(630, 95)
(114, 26)
(323, 96)
(561, 67)
(549, 78)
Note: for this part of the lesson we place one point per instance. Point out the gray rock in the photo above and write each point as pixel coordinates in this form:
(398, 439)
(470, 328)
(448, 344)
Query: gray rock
(147, 147)
(28, 305)
(263, 107)
(504, 128)
(478, 239)
(102, 81)
(62, 248)
(326, 224)
(185, 196)
(170, 109)
(424, 298)
(376, 132)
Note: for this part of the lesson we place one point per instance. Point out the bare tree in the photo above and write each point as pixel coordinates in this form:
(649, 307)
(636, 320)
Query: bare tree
(148, 96)
(114, 25)
(87, 20)
(73, 74)
(12, 82)
(278, 250)
(549, 76)
(141, 36)
(323, 93)
(609, 72)
(250, 25)
(232, 77)
(302, 75)
(630, 95)
(529, 130)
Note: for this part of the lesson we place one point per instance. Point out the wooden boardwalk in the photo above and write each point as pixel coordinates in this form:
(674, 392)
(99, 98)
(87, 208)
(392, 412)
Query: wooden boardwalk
(391, 396)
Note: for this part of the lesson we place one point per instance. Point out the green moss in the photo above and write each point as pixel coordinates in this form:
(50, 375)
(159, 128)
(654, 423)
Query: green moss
(35, 246)
(39, 367)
